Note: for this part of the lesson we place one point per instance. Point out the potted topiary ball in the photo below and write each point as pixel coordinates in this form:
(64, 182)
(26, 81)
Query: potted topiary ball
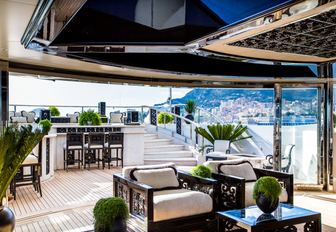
(266, 192)
(201, 171)
(110, 215)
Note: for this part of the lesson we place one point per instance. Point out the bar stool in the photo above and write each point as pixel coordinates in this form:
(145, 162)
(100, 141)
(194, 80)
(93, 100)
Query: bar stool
(115, 142)
(74, 142)
(92, 149)
(26, 177)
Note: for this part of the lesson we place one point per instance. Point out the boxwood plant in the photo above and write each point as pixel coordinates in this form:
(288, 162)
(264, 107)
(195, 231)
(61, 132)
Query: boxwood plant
(89, 118)
(54, 111)
(269, 187)
(107, 210)
(201, 171)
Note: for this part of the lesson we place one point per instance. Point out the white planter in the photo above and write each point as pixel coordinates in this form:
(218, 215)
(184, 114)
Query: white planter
(221, 145)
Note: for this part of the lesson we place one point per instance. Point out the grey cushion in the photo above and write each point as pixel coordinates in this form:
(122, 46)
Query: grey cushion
(241, 169)
(213, 164)
(127, 170)
(93, 146)
(73, 118)
(169, 204)
(116, 117)
(157, 178)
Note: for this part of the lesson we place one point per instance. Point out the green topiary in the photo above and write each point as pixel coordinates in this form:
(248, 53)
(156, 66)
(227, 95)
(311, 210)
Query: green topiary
(54, 111)
(89, 116)
(268, 186)
(201, 171)
(46, 125)
(165, 116)
(107, 210)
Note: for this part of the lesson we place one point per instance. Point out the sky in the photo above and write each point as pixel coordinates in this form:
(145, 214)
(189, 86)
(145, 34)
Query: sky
(30, 90)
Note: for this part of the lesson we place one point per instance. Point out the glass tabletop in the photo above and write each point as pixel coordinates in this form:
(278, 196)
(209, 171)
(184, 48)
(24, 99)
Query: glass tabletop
(254, 216)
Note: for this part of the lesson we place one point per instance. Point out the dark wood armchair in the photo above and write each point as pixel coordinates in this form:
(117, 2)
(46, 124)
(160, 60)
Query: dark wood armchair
(233, 190)
(140, 198)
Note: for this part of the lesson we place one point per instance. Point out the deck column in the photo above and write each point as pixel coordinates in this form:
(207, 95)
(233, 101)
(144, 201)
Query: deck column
(4, 97)
(277, 127)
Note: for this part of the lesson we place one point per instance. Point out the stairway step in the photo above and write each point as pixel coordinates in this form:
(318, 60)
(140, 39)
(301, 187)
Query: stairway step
(162, 148)
(157, 142)
(151, 136)
(169, 154)
(177, 161)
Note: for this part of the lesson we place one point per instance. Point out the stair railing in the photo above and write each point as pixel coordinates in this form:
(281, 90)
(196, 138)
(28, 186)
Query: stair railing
(179, 127)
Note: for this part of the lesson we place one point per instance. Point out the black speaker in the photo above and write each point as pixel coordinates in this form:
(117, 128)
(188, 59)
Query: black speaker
(45, 114)
(132, 117)
(102, 108)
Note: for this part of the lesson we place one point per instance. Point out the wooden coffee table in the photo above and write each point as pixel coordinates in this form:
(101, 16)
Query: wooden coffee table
(285, 218)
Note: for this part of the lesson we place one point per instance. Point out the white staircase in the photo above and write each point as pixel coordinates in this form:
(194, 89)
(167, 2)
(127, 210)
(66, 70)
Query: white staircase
(162, 150)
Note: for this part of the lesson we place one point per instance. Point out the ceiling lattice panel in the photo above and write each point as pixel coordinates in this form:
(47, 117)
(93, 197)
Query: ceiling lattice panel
(315, 36)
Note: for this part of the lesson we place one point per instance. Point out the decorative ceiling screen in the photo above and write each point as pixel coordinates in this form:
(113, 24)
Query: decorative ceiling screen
(315, 36)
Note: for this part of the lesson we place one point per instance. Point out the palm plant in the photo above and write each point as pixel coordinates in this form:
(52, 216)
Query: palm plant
(230, 132)
(15, 145)
(190, 106)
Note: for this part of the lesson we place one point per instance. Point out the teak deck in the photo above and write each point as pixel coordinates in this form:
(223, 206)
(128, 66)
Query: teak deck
(69, 197)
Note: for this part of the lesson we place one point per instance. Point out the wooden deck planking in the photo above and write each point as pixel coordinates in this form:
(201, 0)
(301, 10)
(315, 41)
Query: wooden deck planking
(66, 189)
(69, 197)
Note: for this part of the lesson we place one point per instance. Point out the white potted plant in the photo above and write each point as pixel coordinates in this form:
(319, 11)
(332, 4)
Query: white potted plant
(222, 135)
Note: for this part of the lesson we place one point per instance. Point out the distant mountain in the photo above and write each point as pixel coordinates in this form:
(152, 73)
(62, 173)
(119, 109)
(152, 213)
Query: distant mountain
(208, 98)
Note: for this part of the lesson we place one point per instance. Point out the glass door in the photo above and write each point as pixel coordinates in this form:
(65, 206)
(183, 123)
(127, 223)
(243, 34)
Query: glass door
(300, 133)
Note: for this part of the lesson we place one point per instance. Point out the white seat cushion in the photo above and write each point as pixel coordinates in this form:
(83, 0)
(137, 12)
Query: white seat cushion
(127, 170)
(157, 178)
(249, 201)
(72, 147)
(31, 159)
(241, 169)
(93, 146)
(112, 145)
(169, 204)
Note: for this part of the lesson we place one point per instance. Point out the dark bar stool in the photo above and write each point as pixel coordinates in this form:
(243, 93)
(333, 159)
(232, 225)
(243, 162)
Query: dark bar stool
(74, 143)
(93, 148)
(28, 174)
(115, 142)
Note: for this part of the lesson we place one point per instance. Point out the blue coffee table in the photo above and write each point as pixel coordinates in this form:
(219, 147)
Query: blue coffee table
(284, 218)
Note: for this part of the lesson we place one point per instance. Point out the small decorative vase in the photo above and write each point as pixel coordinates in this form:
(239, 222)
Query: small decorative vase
(221, 145)
(190, 117)
(7, 219)
(266, 205)
(89, 123)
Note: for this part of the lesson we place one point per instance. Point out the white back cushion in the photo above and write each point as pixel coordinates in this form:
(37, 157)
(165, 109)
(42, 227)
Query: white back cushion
(243, 169)
(30, 117)
(157, 178)
(213, 164)
(127, 170)
(116, 117)
(73, 118)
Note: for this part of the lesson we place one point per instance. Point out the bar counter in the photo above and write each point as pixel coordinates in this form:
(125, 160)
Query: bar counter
(53, 143)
